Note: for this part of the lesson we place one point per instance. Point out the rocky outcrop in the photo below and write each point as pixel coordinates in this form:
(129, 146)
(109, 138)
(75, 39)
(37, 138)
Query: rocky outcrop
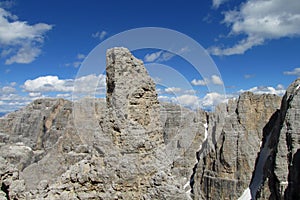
(130, 146)
(234, 137)
(276, 174)
(94, 150)
(133, 108)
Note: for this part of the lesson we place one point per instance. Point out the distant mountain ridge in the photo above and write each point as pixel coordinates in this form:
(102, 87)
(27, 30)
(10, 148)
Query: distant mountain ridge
(130, 146)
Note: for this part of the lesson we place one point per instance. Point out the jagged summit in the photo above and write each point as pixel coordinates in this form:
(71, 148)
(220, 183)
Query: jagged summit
(133, 147)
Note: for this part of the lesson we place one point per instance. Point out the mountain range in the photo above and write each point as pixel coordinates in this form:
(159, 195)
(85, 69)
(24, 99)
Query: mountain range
(131, 146)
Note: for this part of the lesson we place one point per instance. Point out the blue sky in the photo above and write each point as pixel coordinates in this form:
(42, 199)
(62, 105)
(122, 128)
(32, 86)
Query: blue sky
(254, 43)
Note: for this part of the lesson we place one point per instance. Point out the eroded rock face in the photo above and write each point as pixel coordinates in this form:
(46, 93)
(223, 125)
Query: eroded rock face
(134, 111)
(234, 136)
(112, 150)
(276, 174)
(130, 146)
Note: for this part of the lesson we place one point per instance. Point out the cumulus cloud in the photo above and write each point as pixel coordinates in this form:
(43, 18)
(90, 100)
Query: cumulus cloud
(294, 72)
(199, 82)
(208, 102)
(188, 100)
(214, 79)
(173, 90)
(50, 86)
(260, 21)
(279, 90)
(24, 55)
(21, 42)
(84, 84)
(212, 99)
(100, 35)
(34, 94)
(13, 101)
(7, 90)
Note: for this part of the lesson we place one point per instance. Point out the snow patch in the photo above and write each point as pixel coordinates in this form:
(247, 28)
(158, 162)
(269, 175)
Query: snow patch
(206, 131)
(246, 195)
(205, 135)
(259, 168)
(297, 88)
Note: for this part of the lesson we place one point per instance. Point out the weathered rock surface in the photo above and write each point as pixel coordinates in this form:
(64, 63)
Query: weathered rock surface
(234, 136)
(130, 146)
(276, 174)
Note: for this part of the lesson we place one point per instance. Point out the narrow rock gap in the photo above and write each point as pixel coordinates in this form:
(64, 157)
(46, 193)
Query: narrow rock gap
(5, 189)
(198, 157)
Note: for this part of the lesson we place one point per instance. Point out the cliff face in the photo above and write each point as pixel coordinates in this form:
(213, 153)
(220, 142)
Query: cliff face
(276, 174)
(130, 146)
(237, 128)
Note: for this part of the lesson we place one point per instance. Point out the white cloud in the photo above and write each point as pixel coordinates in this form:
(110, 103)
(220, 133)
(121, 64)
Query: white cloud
(163, 98)
(208, 102)
(48, 84)
(84, 84)
(162, 56)
(20, 42)
(65, 96)
(240, 48)
(217, 3)
(7, 90)
(25, 54)
(216, 80)
(279, 90)
(212, 99)
(260, 20)
(35, 94)
(45, 86)
(11, 102)
(294, 72)
(199, 82)
(173, 90)
(153, 56)
(101, 35)
(187, 100)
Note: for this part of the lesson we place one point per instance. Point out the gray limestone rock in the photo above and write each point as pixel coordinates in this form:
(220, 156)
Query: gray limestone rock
(276, 174)
(130, 146)
(234, 135)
